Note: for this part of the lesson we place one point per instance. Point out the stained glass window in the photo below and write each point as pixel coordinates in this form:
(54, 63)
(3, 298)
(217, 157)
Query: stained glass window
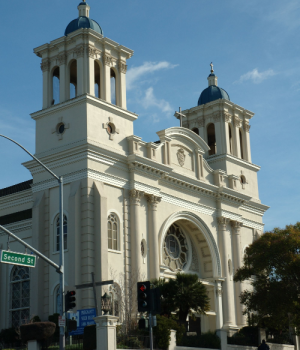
(20, 296)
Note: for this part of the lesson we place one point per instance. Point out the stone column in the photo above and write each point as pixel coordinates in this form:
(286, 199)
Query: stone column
(219, 304)
(90, 52)
(225, 252)
(106, 332)
(236, 136)
(237, 259)
(62, 59)
(154, 261)
(227, 119)
(80, 70)
(218, 133)
(107, 87)
(45, 67)
(122, 84)
(247, 149)
(136, 255)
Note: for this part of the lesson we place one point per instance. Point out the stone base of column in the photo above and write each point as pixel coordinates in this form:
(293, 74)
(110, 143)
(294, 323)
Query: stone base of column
(106, 332)
(34, 345)
(231, 329)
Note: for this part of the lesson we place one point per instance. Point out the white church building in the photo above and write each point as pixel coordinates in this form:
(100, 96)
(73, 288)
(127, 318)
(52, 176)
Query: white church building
(187, 203)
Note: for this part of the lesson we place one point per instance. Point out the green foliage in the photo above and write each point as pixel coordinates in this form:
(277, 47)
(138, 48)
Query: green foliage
(35, 319)
(89, 337)
(205, 340)
(247, 336)
(9, 336)
(272, 265)
(183, 294)
(54, 318)
(162, 331)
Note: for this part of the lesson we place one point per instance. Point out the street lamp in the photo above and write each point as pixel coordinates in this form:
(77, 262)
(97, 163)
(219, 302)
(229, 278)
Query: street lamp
(106, 303)
(61, 239)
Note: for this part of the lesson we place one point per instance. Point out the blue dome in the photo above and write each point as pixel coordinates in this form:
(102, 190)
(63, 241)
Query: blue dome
(212, 93)
(83, 22)
(82, 3)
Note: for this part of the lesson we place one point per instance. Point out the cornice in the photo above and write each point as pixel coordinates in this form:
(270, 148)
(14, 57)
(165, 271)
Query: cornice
(255, 208)
(233, 159)
(81, 99)
(16, 199)
(18, 227)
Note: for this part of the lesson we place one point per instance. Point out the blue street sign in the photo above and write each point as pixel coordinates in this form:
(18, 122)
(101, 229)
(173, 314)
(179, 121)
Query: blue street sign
(83, 317)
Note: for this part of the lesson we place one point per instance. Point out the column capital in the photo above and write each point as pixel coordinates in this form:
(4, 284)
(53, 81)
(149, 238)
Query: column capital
(45, 65)
(136, 196)
(153, 201)
(222, 221)
(237, 121)
(236, 225)
(62, 59)
(122, 66)
(247, 126)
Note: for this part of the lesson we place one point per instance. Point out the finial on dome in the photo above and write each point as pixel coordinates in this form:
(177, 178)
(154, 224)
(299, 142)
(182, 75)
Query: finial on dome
(212, 78)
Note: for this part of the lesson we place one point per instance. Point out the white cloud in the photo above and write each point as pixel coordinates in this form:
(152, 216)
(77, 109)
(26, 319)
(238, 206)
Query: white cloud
(151, 101)
(135, 73)
(257, 77)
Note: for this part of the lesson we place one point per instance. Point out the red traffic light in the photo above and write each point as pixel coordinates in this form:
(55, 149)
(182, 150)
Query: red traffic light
(72, 293)
(142, 287)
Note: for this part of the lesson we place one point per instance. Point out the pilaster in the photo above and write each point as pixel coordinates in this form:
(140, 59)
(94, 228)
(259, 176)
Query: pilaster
(154, 261)
(225, 252)
(136, 256)
(236, 136)
(62, 60)
(45, 67)
(107, 84)
(219, 304)
(247, 149)
(237, 258)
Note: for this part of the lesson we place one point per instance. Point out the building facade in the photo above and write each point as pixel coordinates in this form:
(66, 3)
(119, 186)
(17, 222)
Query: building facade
(186, 203)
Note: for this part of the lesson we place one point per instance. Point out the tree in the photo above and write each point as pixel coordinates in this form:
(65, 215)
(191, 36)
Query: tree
(182, 295)
(272, 265)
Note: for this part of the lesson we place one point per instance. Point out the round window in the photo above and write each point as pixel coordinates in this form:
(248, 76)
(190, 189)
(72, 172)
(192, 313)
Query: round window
(60, 128)
(110, 128)
(175, 254)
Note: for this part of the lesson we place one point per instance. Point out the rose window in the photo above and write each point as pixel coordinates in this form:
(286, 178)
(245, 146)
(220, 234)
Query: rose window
(175, 254)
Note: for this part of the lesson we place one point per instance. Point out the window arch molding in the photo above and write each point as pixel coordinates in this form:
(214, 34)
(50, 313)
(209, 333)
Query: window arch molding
(54, 227)
(119, 226)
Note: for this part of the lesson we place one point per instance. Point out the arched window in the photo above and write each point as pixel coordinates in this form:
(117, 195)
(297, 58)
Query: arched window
(73, 79)
(230, 138)
(241, 143)
(196, 131)
(211, 139)
(55, 86)
(113, 86)
(20, 296)
(65, 230)
(97, 79)
(112, 230)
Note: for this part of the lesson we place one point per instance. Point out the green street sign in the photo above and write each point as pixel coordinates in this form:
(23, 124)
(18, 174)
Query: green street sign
(8, 257)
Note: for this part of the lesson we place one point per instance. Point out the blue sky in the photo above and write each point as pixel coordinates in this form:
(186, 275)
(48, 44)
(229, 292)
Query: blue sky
(254, 46)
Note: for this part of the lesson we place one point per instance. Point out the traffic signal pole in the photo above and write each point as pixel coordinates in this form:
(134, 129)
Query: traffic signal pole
(151, 330)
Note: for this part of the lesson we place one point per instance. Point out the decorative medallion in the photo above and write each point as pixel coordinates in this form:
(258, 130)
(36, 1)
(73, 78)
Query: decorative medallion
(175, 254)
(181, 156)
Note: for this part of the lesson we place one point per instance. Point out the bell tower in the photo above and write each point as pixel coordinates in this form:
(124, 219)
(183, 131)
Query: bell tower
(224, 126)
(84, 88)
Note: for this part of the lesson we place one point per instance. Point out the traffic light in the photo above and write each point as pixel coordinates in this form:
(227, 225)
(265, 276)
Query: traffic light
(143, 296)
(71, 325)
(155, 301)
(70, 300)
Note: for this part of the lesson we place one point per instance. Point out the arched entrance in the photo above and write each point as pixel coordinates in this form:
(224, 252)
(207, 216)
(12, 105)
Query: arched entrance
(188, 246)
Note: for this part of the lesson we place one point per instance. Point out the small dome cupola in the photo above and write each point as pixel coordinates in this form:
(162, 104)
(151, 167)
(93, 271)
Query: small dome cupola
(83, 9)
(83, 20)
(213, 92)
